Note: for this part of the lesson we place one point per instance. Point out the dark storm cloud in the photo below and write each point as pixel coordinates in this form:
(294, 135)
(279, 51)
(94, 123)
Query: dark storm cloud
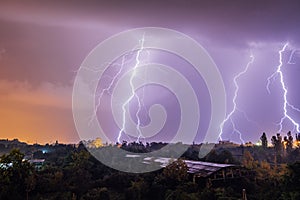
(44, 37)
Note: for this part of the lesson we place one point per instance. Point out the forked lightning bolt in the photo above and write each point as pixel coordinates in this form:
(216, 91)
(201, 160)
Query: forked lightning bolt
(235, 108)
(125, 61)
(133, 95)
(286, 104)
(108, 88)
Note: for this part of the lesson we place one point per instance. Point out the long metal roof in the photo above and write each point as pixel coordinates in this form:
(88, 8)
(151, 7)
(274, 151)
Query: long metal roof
(200, 168)
(204, 168)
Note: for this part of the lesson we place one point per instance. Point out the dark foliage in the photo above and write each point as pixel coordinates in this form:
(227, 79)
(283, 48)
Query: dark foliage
(71, 172)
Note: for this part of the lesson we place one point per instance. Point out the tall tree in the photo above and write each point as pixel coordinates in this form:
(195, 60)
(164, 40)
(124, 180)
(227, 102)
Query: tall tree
(264, 140)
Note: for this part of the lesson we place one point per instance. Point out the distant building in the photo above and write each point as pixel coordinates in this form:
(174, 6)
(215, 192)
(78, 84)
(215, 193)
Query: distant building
(96, 143)
(37, 163)
(207, 171)
(215, 172)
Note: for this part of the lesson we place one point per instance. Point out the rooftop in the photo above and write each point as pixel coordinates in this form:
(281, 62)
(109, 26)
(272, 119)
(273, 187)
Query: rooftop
(205, 168)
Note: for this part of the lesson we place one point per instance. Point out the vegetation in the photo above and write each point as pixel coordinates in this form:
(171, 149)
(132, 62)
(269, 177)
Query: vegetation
(70, 172)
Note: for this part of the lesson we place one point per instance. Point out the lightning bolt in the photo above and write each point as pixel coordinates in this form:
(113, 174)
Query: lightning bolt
(286, 104)
(125, 61)
(108, 88)
(133, 95)
(235, 107)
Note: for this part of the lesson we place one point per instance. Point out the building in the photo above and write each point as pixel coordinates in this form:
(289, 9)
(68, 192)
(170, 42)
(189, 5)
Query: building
(214, 172)
(207, 172)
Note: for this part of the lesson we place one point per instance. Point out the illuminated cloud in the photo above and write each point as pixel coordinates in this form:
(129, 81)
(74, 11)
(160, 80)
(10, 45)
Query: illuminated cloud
(41, 114)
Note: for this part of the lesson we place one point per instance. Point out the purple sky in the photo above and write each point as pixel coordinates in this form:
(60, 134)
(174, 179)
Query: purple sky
(42, 44)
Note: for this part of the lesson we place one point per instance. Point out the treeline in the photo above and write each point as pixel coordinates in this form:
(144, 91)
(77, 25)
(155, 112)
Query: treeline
(70, 172)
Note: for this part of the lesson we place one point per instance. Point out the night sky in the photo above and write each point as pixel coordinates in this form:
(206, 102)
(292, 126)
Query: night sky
(43, 43)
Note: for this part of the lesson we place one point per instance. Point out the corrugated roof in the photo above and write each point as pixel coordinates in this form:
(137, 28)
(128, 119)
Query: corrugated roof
(204, 168)
(200, 168)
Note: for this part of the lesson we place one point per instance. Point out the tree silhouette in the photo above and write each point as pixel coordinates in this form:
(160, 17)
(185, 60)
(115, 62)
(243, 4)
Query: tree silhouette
(264, 140)
(277, 143)
(298, 139)
(16, 176)
(175, 173)
(289, 142)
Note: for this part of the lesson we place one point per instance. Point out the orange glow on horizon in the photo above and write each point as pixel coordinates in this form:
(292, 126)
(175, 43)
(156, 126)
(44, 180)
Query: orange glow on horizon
(42, 115)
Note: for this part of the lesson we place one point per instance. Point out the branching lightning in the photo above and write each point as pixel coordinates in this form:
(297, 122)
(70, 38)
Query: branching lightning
(107, 90)
(235, 107)
(286, 104)
(133, 95)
